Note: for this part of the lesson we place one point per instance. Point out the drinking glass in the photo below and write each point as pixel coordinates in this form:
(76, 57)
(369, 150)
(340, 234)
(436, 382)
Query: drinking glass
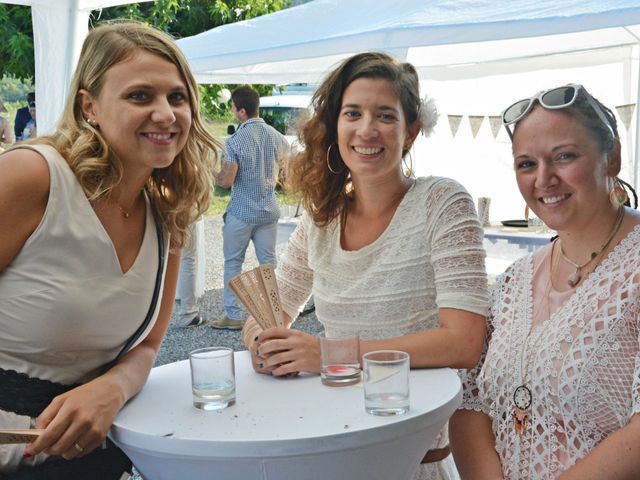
(212, 378)
(339, 360)
(386, 382)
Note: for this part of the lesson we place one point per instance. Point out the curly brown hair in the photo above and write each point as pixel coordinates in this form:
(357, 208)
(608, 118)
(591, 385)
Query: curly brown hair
(324, 193)
(181, 192)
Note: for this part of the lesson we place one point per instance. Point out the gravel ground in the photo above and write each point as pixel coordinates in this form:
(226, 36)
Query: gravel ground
(180, 341)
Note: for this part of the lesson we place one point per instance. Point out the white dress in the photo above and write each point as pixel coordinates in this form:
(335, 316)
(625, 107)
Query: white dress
(583, 363)
(429, 257)
(66, 307)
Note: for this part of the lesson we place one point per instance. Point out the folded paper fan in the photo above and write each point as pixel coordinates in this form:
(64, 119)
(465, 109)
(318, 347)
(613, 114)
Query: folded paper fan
(257, 290)
(8, 435)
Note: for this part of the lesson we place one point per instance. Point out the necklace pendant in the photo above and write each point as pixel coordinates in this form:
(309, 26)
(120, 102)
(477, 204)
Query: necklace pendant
(520, 418)
(574, 278)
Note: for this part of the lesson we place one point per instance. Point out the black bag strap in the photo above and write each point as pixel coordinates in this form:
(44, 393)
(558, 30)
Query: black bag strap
(154, 299)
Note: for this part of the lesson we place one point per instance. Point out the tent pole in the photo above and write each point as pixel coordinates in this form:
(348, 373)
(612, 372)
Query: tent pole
(635, 180)
(636, 169)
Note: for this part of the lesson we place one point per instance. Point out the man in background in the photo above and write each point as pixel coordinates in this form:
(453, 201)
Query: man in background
(23, 116)
(250, 169)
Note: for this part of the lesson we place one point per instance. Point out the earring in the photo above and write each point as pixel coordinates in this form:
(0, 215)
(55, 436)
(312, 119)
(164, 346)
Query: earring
(91, 122)
(329, 162)
(618, 195)
(408, 169)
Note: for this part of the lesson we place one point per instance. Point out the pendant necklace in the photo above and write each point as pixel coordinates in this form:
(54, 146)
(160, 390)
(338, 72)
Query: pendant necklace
(522, 397)
(576, 276)
(125, 214)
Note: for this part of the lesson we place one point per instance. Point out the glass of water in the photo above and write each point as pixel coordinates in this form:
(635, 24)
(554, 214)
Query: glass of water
(339, 360)
(386, 382)
(213, 380)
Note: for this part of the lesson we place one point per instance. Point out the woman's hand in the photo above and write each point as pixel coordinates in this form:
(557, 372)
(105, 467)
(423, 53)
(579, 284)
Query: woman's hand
(283, 351)
(77, 421)
(257, 357)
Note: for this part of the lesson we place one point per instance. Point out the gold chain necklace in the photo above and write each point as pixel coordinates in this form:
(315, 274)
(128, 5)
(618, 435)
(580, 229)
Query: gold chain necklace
(576, 276)
(522, 397)
(125, 214)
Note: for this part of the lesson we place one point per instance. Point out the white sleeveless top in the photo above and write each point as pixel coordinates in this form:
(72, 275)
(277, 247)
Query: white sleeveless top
(66, 308)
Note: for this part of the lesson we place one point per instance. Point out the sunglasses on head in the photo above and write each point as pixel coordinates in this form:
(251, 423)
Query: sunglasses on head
(552, 99)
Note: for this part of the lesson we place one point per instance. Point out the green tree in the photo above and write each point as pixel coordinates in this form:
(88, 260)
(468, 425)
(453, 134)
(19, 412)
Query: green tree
(183, 18)
(14, 89)
(16, 41)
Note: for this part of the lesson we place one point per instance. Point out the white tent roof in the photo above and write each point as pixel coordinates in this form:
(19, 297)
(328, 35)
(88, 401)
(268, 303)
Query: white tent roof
(443, 38)
(59, 28)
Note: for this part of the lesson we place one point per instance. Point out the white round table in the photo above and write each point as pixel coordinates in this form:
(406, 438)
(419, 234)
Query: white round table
(280, 428)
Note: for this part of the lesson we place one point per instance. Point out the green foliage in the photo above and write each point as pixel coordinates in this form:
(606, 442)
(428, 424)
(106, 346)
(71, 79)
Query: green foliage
(16, 41)
(14, 89)
(183, 18)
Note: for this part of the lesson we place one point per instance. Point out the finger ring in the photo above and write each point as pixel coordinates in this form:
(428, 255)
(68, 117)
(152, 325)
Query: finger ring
(78, 447)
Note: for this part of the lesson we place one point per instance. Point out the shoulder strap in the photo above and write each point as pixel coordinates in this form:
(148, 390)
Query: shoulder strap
(154, 299)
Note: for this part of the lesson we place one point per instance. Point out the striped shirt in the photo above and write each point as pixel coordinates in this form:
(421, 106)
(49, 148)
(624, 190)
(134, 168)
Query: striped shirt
(256, 147)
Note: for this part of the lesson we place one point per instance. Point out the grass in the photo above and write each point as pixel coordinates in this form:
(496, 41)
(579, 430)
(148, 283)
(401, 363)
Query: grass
(221, 197)
(218, 128)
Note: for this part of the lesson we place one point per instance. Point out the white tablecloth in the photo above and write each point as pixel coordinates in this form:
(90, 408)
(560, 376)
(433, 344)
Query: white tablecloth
(280, 428)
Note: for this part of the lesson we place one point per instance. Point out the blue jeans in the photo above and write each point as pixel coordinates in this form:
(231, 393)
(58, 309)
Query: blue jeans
(186, 289)
(236, 235)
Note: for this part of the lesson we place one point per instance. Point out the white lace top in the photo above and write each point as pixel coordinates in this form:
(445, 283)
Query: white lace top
(429, 257)
(584, 364)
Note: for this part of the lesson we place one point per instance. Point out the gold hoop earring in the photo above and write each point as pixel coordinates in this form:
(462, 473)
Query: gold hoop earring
(408, 169)
(329, 161)
(618, 195)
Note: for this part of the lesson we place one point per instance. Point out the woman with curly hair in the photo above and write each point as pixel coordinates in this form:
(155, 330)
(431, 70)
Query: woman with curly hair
(92, 220)
(396, 259)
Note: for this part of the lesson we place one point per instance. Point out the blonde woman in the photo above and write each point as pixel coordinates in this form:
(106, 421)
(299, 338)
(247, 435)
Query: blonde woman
(91, 224)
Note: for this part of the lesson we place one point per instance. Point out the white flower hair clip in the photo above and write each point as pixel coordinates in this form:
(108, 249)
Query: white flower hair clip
(427, 115)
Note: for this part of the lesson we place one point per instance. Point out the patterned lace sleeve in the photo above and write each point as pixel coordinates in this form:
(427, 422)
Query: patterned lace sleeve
(471, 399)
(295, 278)
(457, 251)
(636, 375)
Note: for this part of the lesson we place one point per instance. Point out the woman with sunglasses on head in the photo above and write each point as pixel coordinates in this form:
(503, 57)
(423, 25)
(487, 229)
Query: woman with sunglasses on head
(397, 259)
(92, 218)
(557, 390)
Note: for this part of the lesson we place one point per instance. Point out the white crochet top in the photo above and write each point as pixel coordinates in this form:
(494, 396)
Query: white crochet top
(429, 257)
(584, 363)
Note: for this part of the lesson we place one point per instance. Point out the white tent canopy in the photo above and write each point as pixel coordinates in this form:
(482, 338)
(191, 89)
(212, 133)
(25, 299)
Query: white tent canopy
(446, 38)
(462, 50)
(59, 28)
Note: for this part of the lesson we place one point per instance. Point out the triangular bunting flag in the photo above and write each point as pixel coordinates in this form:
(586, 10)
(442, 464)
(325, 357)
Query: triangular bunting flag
(626, 113)
(454, 123)
(496, 122)
(476, 122)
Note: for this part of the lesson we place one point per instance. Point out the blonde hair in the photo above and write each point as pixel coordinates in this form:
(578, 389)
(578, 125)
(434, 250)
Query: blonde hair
(318, 172)
(179, 193)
